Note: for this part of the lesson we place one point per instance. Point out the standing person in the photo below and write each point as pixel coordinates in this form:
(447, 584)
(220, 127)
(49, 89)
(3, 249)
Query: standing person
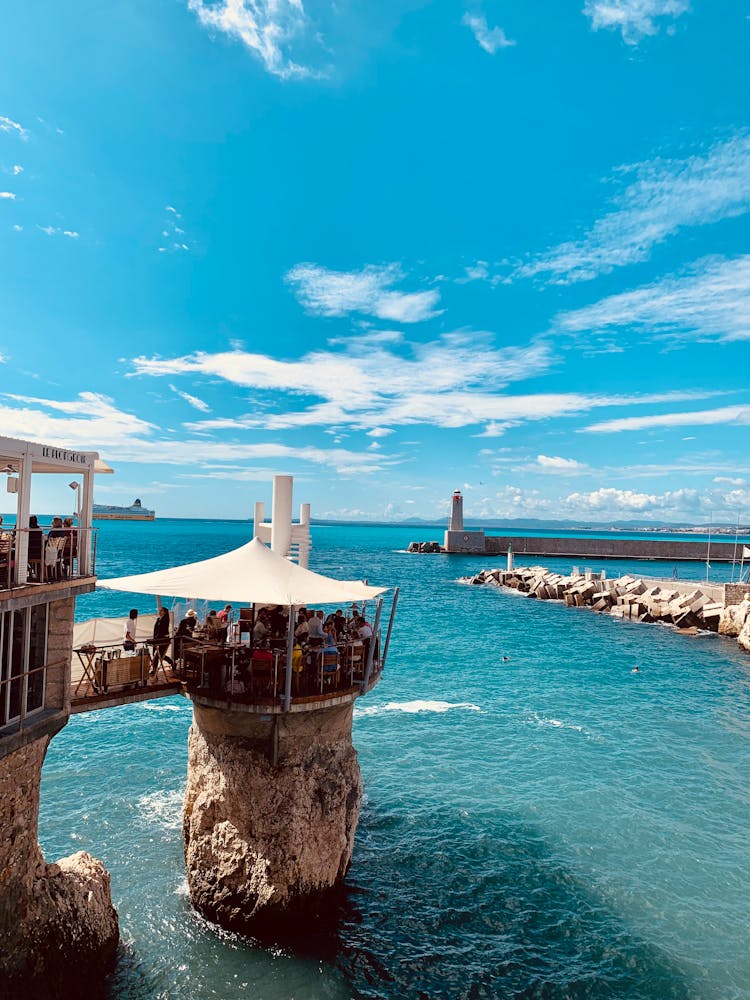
(315, 628)
(35, 546)
(225, 614)
(161, 641)
(129, 639)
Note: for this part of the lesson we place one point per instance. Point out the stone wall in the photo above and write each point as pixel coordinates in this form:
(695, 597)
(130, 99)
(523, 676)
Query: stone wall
(583, 547)
(263, 841)
(58, 928)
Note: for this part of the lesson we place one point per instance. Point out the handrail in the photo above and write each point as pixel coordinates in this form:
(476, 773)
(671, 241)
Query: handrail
(65, 559)
(22, 678)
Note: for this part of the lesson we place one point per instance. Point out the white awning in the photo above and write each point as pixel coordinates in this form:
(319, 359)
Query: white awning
(252, 574)
(110, 631)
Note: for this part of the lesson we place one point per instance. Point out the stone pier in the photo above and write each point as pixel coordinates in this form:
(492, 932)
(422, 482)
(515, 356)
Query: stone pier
(271, 809)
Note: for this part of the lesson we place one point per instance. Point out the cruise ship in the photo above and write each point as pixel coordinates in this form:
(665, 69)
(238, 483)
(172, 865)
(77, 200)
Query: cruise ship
(135, 512)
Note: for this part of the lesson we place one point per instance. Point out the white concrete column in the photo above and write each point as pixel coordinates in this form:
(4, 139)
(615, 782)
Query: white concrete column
(281, 518)
(23, 508)
(259, 516)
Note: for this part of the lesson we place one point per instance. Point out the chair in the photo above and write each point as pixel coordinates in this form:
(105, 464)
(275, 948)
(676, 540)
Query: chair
(329, 670)
(53, 557)
(245, 622)
(354, 662)
(261, 671)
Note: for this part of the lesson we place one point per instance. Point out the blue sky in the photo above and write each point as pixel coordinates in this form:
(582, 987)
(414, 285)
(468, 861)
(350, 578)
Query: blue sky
(392, 248)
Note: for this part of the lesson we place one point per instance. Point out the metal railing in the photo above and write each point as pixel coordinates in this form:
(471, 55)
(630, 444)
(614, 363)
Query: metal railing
(238, 673)
(52, 554)
(15, 692)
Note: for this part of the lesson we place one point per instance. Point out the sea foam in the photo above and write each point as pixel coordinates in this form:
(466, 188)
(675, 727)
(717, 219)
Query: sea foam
(415, 707)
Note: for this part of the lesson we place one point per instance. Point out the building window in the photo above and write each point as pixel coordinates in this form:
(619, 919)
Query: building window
(23, 653)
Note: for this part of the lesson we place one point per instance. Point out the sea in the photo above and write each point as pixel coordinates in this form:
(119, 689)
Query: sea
(538, 821)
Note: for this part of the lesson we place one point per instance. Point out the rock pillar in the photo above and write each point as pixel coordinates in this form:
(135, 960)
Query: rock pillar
(271, 808)
(58, 928)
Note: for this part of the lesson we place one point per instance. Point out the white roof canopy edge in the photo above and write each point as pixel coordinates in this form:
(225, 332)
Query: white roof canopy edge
(251, 574)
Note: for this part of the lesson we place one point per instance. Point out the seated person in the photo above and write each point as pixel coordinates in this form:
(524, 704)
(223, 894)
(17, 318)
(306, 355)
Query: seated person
(184, 631)
(261, 632)
(339, 623)
(216, 630)
(300, 631)
(315, 633)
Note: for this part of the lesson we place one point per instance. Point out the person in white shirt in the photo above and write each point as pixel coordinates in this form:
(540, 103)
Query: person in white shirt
(315, 631)
(130, 629)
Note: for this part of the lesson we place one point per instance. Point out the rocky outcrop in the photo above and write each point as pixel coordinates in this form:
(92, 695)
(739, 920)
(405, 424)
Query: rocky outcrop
(58, 928)
(264, 840)
(733, 617)
(744, 637)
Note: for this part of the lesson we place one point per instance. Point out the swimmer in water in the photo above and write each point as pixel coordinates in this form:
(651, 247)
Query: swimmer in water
(635, 670)
(505, 659)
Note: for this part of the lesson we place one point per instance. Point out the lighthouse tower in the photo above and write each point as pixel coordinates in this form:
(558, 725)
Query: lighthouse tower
(457, 538)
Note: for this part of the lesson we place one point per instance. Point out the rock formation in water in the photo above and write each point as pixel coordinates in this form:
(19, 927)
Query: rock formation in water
(733, 617)
(58, 928)
(263, 840)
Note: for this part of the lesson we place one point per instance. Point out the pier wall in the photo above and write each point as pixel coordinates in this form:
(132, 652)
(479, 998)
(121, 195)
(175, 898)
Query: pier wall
(609, 548)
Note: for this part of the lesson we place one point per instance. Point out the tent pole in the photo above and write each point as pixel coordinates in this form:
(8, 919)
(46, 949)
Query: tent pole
(390, 626)
(371, 650)
(289, 654)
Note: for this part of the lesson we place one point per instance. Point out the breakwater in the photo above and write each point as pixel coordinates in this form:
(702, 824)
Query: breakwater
(583, 547)
(723, 609)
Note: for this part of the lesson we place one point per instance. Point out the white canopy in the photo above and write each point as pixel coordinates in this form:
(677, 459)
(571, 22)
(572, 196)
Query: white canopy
(251, 574)
(110, 631)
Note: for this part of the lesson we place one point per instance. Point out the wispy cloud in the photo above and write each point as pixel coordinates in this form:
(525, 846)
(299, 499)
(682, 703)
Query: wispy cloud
(173, 239)
(92, 420)
(57, 231)
(8, 125)
(16, 169)
(666, 195)
(267, 27)
(368, 292)
(712, 302)
(456, 381)
(193, 401)
(7, 196)
(490, 39)
(554, 463)
(633, 18)
(696, 418)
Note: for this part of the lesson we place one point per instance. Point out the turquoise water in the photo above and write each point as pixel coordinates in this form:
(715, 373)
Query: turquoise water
(548, 826)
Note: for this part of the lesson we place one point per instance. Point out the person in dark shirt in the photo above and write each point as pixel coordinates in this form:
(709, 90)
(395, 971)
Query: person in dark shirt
(35, 546)
(161, 641)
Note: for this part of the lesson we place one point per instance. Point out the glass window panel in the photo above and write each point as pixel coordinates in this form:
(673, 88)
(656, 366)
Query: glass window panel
(4, 666)
(37, 657)
(16, 664)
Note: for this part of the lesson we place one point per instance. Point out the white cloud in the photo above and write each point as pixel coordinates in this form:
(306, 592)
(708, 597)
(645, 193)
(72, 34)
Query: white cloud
(8, 125)
(93, 422)
(730, 480)
(554, 463)
(722, 415)
(16, 169)
(456, 381)
(193, 401)
(490, 39)
(664, 196)
(712, 302)
(633, 18)
(266, 27)
(380, 432)
(7, 195)
(71, 233)
(172, 234)
(369, 292)
(3, 359)
(17, 228)
(48, 230)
